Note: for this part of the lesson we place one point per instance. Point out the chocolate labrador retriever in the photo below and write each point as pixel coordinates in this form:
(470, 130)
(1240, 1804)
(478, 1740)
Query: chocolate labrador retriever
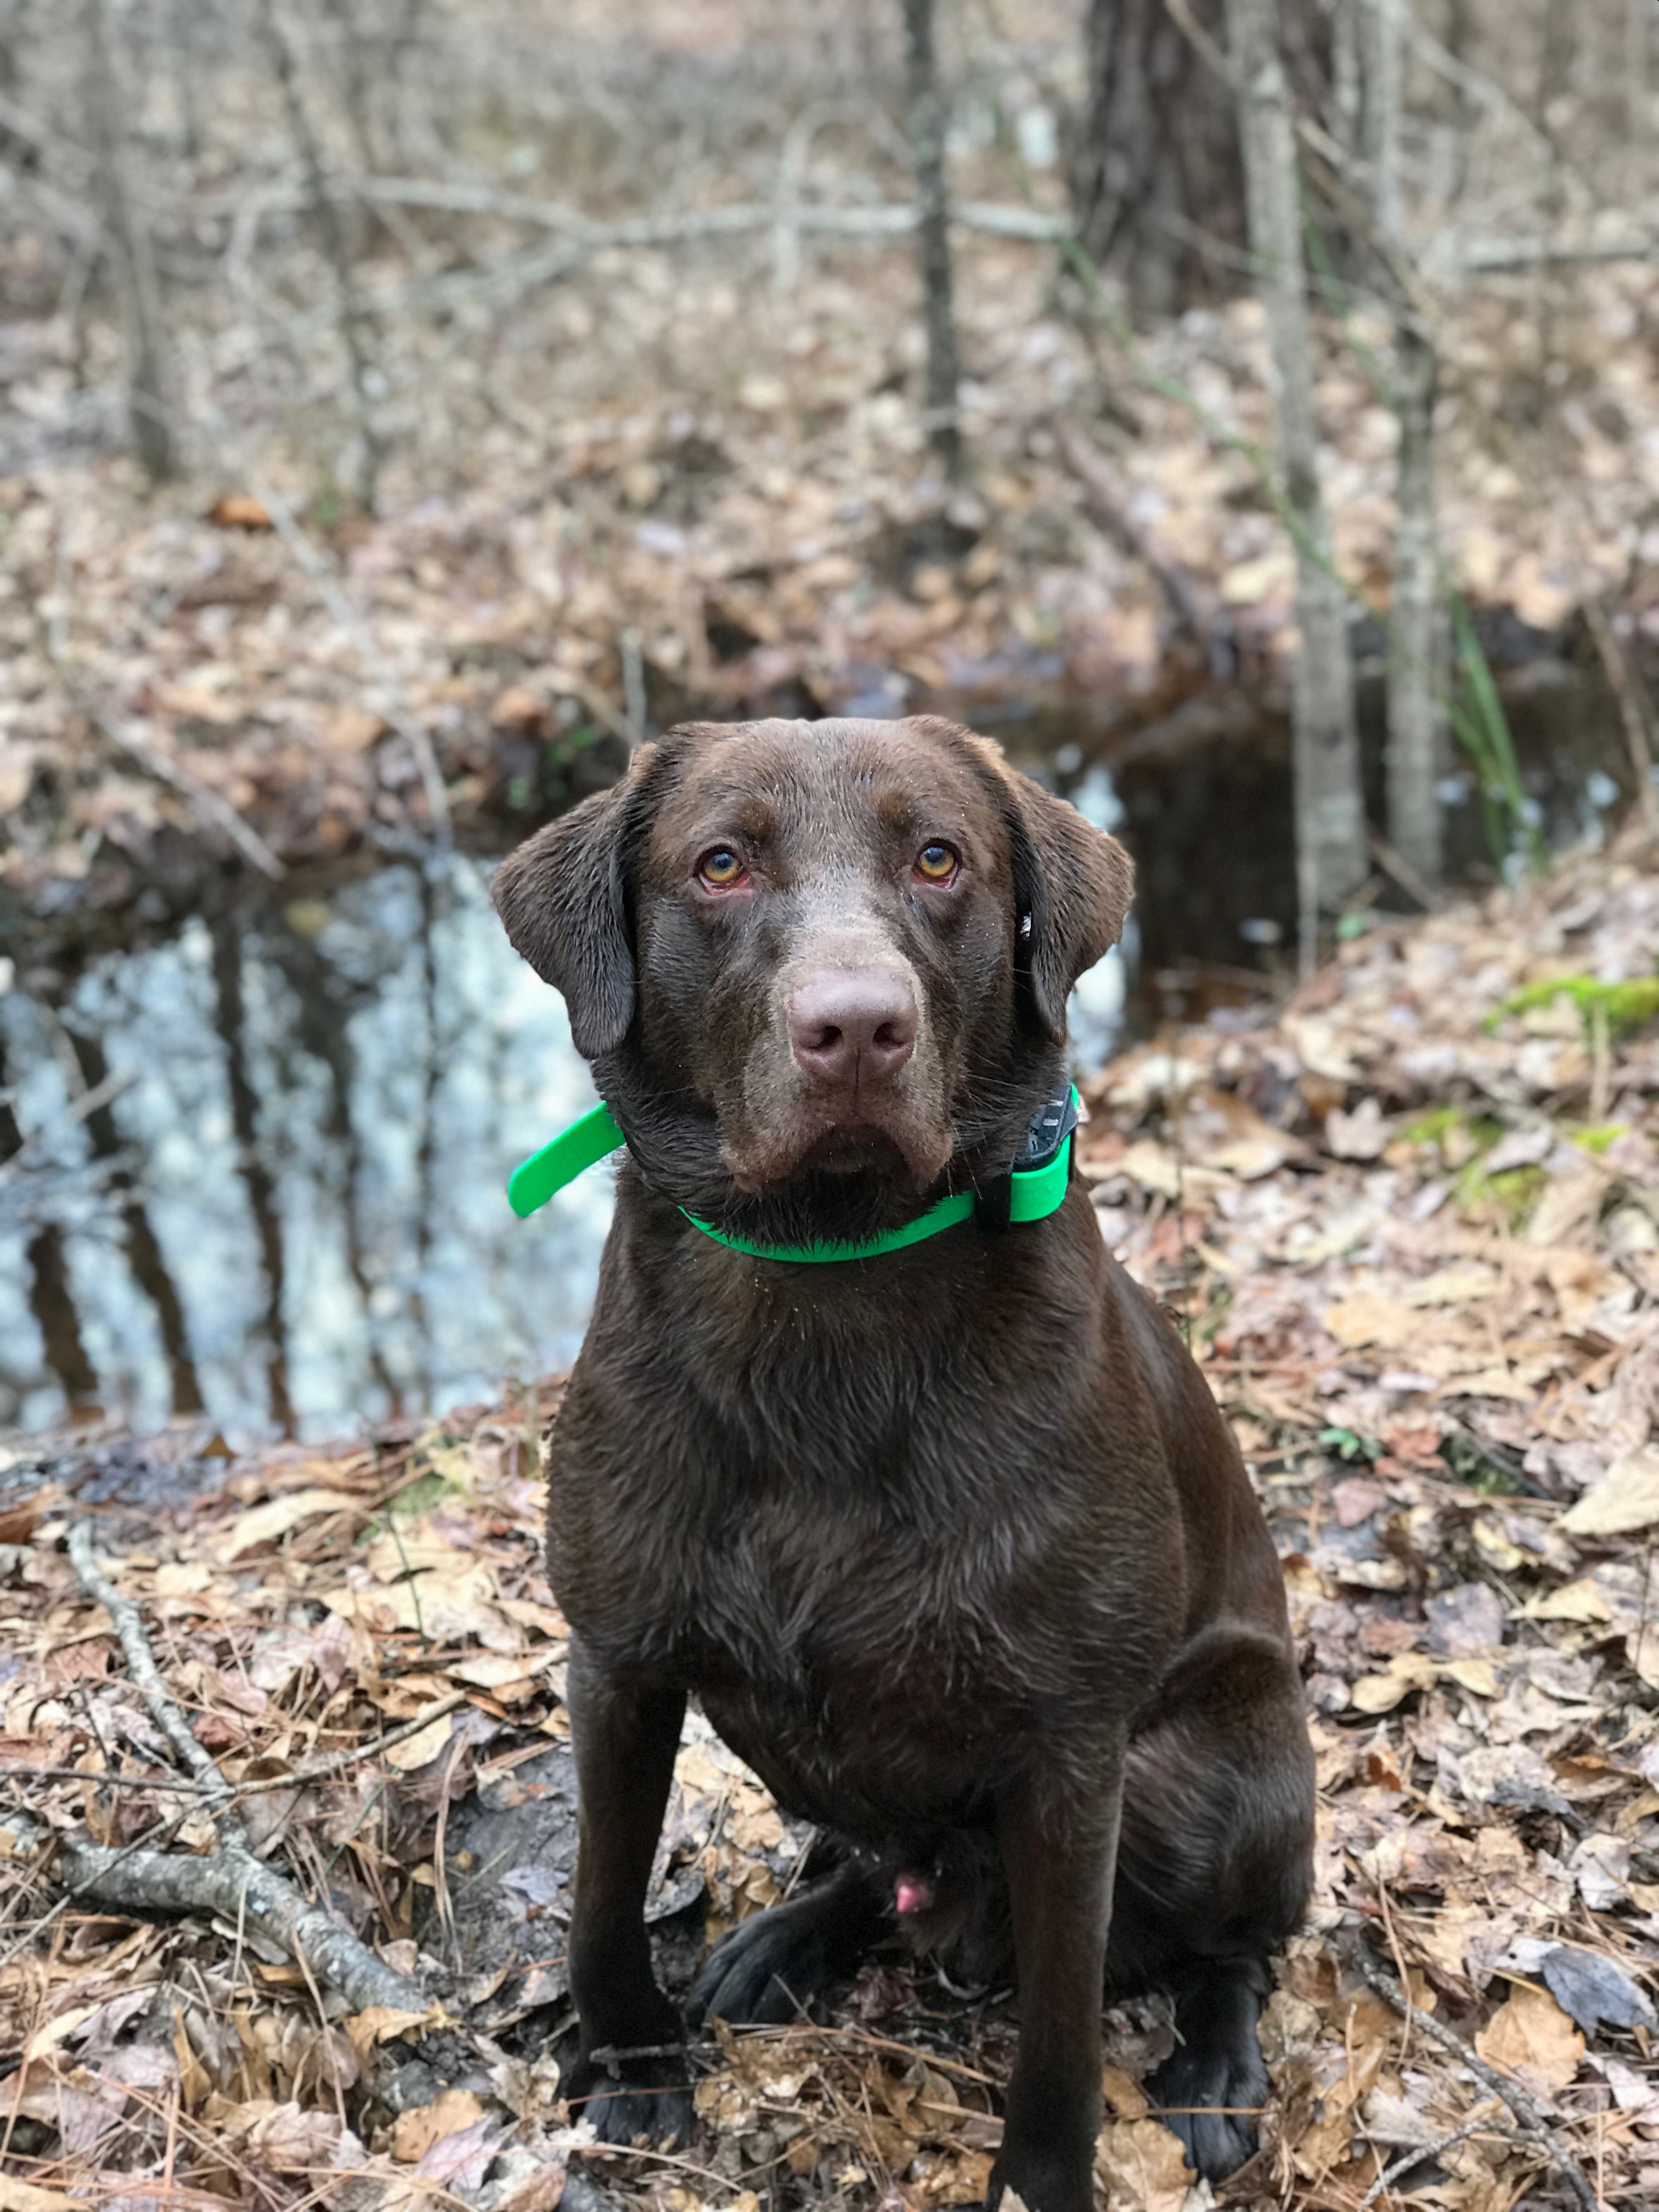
(950, 1541)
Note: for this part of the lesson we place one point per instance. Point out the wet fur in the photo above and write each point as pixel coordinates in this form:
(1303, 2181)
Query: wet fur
(953, 1546)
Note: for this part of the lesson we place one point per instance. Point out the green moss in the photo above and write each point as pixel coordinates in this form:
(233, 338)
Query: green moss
(1442, 1121)
(1622, 1006)
(422, 1496)
(1597, 1141)
(1515, 1191)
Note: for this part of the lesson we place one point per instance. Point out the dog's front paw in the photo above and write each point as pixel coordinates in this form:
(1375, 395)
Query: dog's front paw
(648, 2099)
(1210, 2097)
(1043, 2179)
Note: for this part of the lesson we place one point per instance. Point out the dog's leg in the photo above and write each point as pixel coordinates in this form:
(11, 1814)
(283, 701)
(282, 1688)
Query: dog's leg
(1213, 1875)
(774, 1964)
(625, 1740)
(1058, 1850)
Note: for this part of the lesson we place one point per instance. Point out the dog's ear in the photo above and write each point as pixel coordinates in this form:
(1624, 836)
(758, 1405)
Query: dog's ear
(563, 900)
(1072, 884)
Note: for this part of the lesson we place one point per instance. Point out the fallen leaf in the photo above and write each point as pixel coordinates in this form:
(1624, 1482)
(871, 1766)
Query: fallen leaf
(240, 510)
(1370, 1317)
(1625, 1498)
(1593, 1990)
(1144, 2167)
(1532, 2038)
(420, 1748)
(414, 2131)
(294, 2139)
(383, 2024)
(17, 2196)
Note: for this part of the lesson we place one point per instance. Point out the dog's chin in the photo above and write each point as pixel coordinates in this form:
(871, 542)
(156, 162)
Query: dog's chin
(896, 1158)
(863, 1148)
(845, 1181)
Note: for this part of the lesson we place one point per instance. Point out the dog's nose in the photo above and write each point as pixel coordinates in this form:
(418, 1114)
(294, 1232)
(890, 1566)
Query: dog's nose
(853, 1022)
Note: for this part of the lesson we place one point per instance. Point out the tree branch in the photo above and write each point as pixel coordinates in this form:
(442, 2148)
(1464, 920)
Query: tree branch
(1534, 2124)
(235, 1885)
(230, 1881)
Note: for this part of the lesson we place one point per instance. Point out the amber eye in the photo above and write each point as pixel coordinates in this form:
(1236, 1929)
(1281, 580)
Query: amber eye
(937, 863)
(720, 869)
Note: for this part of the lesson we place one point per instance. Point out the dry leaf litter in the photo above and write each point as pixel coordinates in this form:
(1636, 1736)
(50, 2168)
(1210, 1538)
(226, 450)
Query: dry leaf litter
(1410, 1223)
(762, 528)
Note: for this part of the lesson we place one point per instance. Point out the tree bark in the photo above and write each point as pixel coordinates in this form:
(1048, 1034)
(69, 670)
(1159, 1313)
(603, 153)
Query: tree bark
(1156, 175)
(1157, 179)
(1330, 816)
(1380, 45)
(356, 326)
(942, 415)
(1417, 657)
(149, 378)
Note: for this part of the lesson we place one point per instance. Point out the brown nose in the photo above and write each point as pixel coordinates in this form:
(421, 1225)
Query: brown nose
(851, 1024)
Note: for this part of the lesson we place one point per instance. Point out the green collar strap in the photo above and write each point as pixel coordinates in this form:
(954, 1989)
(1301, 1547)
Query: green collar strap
(1031, 1191)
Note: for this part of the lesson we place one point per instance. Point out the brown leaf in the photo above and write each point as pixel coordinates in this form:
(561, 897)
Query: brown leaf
(418, 2128)
(1532, 2038)
(239, 510)
(1626, 1498)
(1144, 2167)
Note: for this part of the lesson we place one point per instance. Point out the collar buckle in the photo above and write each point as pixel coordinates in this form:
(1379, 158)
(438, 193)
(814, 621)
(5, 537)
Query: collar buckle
(1046, 1131)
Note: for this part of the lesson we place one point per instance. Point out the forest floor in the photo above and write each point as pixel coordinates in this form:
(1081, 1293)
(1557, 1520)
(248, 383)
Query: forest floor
(1410, 1223)
(673, 483)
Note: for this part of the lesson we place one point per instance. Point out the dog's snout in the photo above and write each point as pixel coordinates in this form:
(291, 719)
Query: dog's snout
(849, 1024)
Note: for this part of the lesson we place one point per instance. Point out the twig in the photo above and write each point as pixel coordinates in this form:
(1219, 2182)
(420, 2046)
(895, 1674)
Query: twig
(1622, 679)
(1397, 865)
(1533, 2121)
(1544, 253)
(300, 1778)
(632, 674)
(889, 219)
(141, 1665)
(1421, 2153)
(229, 1882)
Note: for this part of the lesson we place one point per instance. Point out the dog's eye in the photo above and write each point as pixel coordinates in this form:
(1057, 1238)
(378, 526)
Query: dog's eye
(938, 863)
(720, 868)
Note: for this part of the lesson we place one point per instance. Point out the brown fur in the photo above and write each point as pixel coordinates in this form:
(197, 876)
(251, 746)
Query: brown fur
(953, 1545)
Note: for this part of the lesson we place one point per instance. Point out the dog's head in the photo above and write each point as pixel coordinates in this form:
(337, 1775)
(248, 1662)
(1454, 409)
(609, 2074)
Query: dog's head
(820, 968)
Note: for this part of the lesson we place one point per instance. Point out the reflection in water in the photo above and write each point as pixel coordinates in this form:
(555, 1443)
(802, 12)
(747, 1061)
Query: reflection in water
(259, 1170)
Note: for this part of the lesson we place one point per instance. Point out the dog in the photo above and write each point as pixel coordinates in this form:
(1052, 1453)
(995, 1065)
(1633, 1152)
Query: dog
(951, 1542)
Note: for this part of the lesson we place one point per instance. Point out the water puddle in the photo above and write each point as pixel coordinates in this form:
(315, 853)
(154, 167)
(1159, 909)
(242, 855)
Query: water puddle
(256, 1169)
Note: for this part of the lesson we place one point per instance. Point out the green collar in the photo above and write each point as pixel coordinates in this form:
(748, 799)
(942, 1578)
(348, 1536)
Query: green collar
(1030, 1192)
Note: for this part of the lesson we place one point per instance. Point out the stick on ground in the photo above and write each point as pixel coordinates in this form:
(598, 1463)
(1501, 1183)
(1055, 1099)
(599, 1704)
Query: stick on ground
(230, 1881)
(1534, 2124)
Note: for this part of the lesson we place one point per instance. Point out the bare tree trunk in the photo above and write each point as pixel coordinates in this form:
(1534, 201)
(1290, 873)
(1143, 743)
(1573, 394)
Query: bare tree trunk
(1346, 120)
(942, 416)
(356, 329)
(149, 378)
(1417, 659)
(183, 19)
(1639, 53)
(1380, 73)
(1330, 815)
(1418, 642)
(1156, 181)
